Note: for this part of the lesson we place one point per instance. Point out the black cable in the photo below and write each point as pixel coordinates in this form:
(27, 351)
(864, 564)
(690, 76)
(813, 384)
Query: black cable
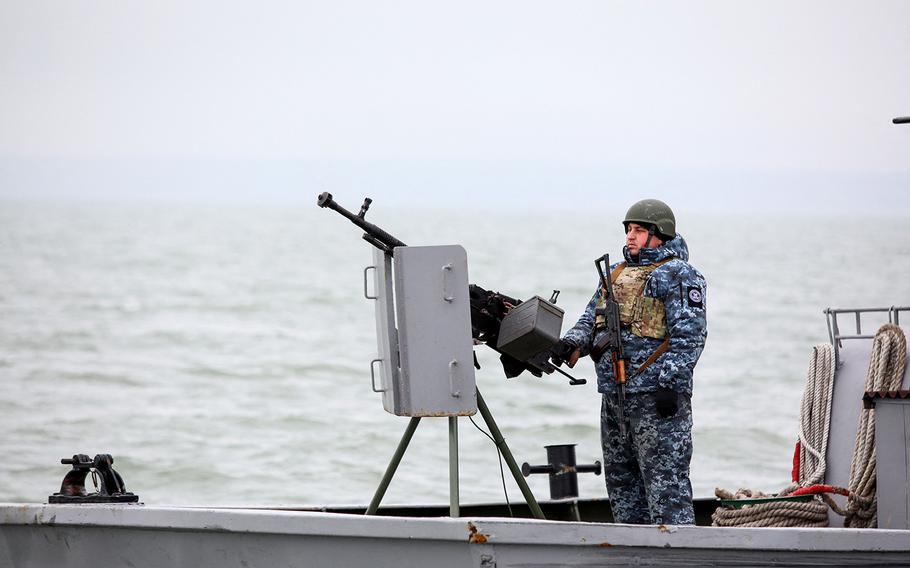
(502, 473)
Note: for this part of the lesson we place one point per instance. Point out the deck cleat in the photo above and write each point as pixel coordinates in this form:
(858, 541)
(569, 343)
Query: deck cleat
(109, 484)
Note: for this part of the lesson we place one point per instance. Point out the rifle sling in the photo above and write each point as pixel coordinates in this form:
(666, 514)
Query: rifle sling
(657, 353)
(615, 274)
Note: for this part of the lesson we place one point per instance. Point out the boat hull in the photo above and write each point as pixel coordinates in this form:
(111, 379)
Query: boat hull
(150, 537)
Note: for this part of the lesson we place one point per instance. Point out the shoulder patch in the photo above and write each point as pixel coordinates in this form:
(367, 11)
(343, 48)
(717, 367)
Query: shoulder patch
(694, 295)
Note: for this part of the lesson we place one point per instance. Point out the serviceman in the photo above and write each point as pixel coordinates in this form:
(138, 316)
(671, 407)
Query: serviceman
(663, 328)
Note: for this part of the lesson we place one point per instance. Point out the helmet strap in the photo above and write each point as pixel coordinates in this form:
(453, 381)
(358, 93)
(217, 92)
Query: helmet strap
(650, 236)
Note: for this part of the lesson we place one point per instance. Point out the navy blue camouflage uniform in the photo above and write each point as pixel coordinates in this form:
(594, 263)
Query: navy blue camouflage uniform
(647, 472)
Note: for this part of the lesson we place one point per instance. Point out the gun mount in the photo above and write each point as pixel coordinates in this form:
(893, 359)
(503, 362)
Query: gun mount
(428, 319)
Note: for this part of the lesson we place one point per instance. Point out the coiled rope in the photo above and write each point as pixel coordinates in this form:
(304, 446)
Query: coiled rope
(815, 424)
(812, 513)
(886, 371)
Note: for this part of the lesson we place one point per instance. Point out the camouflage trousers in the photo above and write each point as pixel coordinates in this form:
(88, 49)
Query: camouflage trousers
(647, 473)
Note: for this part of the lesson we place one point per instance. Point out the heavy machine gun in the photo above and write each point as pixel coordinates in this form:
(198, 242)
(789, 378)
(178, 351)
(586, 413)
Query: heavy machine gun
(489, 309)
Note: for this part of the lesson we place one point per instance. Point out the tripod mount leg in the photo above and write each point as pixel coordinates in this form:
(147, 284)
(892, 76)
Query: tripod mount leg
(453, 463)
(393, 465)
(510, 460)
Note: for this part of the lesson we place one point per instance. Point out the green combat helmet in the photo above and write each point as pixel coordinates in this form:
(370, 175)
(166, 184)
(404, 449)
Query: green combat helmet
(653, 212)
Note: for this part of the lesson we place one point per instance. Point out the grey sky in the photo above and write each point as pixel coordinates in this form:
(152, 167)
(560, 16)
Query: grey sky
(741, 102)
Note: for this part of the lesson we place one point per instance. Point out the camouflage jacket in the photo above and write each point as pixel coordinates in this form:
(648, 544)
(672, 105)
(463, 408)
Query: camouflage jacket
(682, 289)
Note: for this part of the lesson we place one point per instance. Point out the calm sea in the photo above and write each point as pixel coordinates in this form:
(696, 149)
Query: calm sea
(221, 353)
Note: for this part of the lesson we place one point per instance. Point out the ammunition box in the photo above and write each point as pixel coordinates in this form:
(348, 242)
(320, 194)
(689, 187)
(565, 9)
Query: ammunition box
(530, 328)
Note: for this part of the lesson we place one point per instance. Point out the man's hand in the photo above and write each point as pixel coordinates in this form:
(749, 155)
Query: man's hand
(666, 402)
(564, 352)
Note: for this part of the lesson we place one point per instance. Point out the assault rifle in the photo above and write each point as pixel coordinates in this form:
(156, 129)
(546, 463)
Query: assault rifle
(488, 308)
(608, 338)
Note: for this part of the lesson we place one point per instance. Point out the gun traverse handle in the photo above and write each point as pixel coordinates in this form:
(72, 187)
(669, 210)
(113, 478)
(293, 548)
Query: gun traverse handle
(572, 380)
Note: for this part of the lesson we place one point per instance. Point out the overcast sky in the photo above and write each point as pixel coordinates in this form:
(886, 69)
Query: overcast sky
(733, 104)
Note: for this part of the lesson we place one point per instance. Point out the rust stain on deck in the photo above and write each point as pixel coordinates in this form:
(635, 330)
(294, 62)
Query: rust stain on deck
(474, 536)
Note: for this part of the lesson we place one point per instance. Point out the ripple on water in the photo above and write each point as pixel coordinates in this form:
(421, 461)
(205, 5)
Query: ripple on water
(226, 360)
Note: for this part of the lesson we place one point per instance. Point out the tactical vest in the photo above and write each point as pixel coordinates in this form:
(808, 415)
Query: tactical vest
(645, 316)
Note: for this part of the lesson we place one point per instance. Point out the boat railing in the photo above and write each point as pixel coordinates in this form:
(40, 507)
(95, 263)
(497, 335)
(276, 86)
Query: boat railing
(837, 336)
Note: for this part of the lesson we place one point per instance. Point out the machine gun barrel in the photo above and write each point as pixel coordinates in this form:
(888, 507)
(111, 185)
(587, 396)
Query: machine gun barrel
(373, 234)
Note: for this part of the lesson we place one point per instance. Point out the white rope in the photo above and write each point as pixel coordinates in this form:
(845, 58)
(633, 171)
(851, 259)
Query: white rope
(815, 415)
(886, 371)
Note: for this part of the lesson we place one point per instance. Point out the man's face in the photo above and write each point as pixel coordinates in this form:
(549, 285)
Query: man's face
(637, 236)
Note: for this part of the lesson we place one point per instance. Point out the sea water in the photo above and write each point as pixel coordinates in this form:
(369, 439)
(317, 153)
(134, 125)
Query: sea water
(221, 353)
